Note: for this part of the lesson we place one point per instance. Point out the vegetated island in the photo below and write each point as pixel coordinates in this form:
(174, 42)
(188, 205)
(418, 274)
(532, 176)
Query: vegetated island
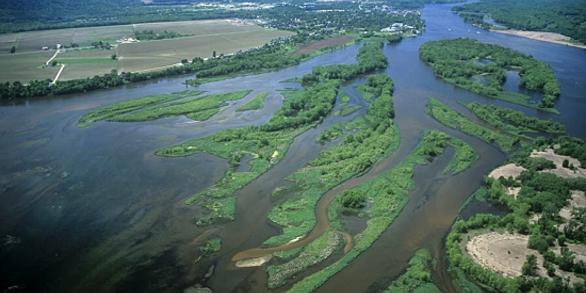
(540, 244)
(268, 143)
(481, 68)
(188, 103)
(555, 21)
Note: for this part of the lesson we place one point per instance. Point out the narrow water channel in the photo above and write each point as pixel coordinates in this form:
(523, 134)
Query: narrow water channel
(94, 208)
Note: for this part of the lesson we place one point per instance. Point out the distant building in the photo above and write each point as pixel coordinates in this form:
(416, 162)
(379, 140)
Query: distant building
(44, 48)
(58, 46)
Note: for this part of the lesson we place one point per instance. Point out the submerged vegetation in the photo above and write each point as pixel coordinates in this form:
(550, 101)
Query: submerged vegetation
(373, 136)
(268, 143)
(388, 194)
(460, 61)
(256, 103)
(449, 117)
(186, 103)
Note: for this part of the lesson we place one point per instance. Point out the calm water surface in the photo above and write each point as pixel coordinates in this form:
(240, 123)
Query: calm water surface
(93, 209)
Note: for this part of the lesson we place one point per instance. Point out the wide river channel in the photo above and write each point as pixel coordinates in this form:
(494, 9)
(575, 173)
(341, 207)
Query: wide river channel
(94, 209)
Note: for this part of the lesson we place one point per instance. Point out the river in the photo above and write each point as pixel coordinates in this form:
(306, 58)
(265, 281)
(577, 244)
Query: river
(94, 210)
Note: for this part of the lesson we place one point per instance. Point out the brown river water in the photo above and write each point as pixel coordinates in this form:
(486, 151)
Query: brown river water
(95, 210)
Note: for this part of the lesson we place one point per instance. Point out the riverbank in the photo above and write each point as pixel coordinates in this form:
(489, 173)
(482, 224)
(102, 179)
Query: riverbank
(549, 37)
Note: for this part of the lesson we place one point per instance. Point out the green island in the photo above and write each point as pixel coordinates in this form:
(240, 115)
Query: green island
(481, 68)
(268, 143)
(373, 136)
(543, 229)
(388, 194)
(451, 118)
(514, 122)
(211, 246)
(256, 103)
(188, 103)
(417, 278)
(560, 16)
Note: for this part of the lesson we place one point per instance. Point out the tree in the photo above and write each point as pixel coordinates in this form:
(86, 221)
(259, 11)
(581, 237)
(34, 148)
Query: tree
(114, 57)
(530, 266)
(214, 54)
(13, 50)
(566, 163)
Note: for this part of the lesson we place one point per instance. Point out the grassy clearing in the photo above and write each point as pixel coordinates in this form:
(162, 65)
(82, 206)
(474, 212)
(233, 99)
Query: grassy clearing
(256, 103)
(202, 108)
(115, 110)
(451, 118)
(155, 107)
(514, 122)
(373, 137)
(388, 194)
(314, 253)
(417, 278)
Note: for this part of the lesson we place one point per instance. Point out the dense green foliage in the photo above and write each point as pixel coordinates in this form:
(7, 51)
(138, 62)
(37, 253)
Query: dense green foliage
(370, 58)
(373, 136)
(211, 246)
(464, 154)
(561, 16)
(542, 194)
(449, 117)
(572, 147)
(256, 103)
(459, 62)
(315, 252)
(512, 121)
(154, 107)
(352, 199)
(152, 35)
(268, 143)
(417, 278)
(388, 194)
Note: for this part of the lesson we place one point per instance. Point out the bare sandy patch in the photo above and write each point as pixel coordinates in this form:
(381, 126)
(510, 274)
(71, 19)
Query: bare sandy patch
(253, 262)
(503, 253)
(506, 253)
(578, 200)
(506, 171)
(542, 36)
(558, 160)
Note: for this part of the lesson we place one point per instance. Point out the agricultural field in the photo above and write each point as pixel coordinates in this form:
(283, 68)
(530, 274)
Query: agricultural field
(146, 55)
(23, 66)
(197, 39)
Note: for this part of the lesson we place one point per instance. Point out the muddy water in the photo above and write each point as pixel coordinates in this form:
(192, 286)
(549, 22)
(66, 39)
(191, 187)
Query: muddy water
(94, 210)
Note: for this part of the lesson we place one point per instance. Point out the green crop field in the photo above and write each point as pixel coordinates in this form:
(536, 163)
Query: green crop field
(198, 39)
